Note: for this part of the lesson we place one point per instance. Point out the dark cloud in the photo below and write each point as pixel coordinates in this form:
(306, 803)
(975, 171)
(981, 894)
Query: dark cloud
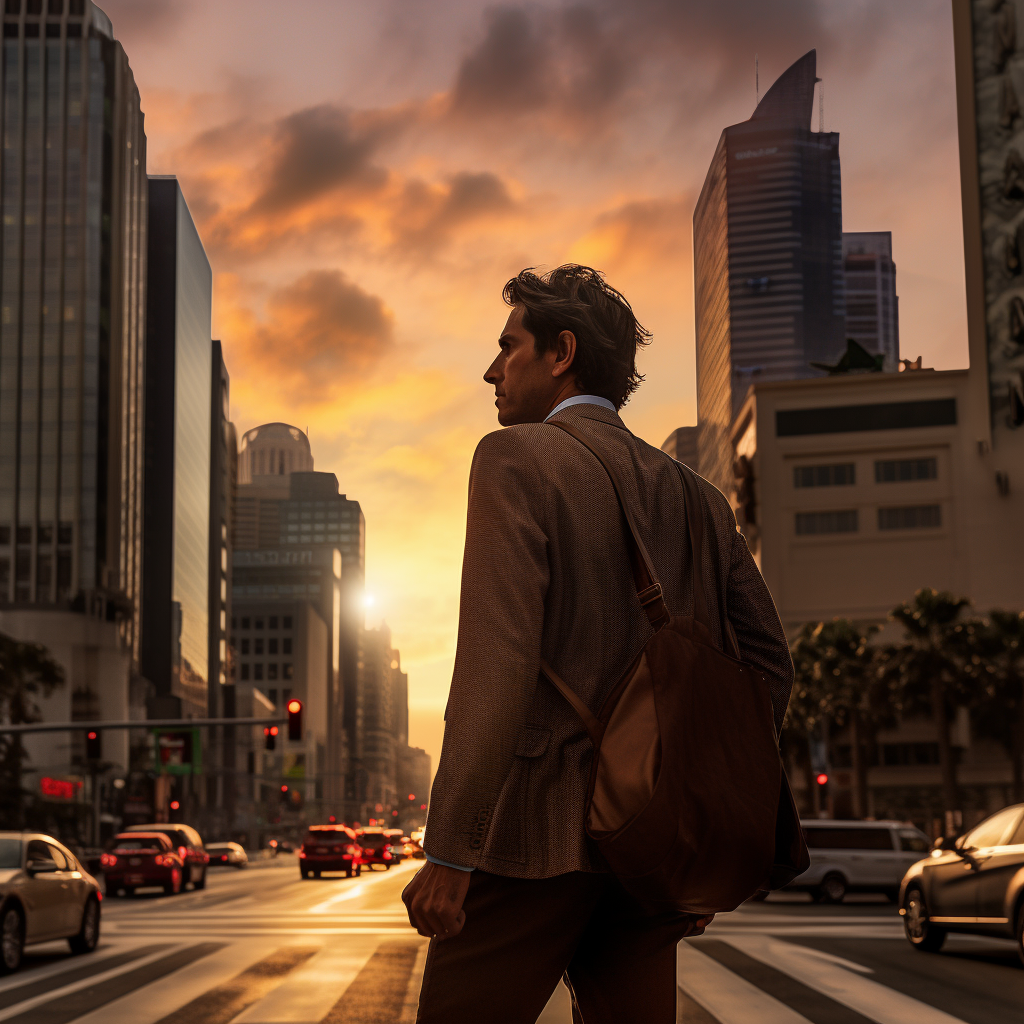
(426, 216)
(321, 332)
(317, 150)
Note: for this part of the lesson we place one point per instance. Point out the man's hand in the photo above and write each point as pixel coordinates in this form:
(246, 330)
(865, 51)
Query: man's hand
(434, 900)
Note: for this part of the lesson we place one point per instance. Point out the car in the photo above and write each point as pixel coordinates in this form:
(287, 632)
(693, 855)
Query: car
(186, 840)
(141, 859)
(401, 848)
(857, 856)
(45, 894)
(227, 854)
(330, 848)
(972, 884)
(377, 845)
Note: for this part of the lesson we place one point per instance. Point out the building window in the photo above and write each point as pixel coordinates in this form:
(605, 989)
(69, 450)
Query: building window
(245, 622)
(5, 535)
(65, 533)
(273, 622)
(272, 695)
(842, 474)
(826, 522)
(257, 671)
(245, 670)
(45, 534)
(24, 534)
(286, 695)
(234, 622)
(272, 670)
(912, 517)
(258, 645)
(245, 645)
(286, 670)
(286, 645)
(889, 471)
(258, 624)
(287, 622)
(272, 645)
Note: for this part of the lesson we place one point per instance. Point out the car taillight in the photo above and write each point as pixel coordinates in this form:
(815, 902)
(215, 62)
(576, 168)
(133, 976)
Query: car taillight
(108, 860)
(158, 860)
(302, 853)
(181, 852)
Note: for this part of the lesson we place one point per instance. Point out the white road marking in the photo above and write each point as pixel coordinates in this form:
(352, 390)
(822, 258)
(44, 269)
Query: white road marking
(727, 996)
(880, 1003)
(308, 993)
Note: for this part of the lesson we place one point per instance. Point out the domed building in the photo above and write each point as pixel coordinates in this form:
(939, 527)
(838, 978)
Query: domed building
(270, 452)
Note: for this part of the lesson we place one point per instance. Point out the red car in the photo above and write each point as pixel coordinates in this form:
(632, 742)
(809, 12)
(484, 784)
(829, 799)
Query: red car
(187, 842)
(140, 859)
(330, 848)
(377, 843)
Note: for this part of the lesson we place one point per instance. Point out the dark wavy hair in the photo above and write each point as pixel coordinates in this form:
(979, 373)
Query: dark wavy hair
(608, 335)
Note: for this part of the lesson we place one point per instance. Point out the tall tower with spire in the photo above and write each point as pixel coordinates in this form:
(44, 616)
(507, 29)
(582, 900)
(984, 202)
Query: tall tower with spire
(768, 259)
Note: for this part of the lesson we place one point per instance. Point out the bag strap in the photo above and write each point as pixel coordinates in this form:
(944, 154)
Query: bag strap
(648, 589)
(695, 525)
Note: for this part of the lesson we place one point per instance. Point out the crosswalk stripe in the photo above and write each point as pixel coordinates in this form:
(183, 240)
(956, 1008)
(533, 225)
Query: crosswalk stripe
(875, 1001)
(86, 969)
(689, 1011)
(724, 995)
(377, 994)
(223, 1003)
(66, 1008)
(806, 1000)
(308, 994)
(412, 991)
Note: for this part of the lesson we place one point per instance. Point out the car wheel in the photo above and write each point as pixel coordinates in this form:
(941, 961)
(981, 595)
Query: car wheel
(920, 932)
(304, 872)
(89, 934)
(348, 872)
(832, 889)
(316, 874)
(12, 940)
(128, 892)
(201, 884)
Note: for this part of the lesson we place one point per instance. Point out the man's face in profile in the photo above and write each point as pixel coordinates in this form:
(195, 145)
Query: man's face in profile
(523, 382)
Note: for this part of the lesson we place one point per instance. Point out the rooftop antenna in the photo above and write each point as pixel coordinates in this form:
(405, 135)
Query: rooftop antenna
(757, 84)
(821, 105)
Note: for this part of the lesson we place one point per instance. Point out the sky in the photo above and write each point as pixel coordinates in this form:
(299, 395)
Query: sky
(366, 177)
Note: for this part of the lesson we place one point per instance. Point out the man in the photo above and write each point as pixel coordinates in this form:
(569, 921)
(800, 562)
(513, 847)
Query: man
(513, 895)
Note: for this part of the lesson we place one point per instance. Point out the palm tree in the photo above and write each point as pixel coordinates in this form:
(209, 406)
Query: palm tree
(930, 668)
(839, 664)
(26, 671)
(998, 666)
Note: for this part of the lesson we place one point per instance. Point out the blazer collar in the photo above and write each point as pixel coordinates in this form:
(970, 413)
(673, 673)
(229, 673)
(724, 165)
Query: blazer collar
(586, 411)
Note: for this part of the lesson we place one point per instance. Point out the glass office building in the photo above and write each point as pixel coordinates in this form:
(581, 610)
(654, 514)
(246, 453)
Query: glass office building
(768, 259)
(179, 397)
(872, 305)
(71, 332)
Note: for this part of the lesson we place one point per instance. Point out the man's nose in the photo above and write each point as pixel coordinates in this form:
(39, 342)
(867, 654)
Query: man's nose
(493, 375)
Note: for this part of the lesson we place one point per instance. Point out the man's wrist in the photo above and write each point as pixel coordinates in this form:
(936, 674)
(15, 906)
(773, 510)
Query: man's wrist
(447, 864)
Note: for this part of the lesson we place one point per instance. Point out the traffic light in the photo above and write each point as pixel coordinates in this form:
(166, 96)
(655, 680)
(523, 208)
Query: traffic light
(93, 745)
(294, 720)
(821, 779)
(269, 737)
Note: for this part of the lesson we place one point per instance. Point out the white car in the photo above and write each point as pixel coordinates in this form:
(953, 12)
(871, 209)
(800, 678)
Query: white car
(45, 894)
(858, 856)
(227, 854)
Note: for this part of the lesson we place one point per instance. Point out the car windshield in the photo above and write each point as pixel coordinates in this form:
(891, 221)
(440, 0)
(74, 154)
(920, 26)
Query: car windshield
(138, 844)
(10, 853)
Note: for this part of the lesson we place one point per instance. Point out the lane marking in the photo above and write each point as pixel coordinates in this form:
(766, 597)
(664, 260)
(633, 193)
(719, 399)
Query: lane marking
(309, 992)
(878, 1002)
(350, 892)
(726, 995)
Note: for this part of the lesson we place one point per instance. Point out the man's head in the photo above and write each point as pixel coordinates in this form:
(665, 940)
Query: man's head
(569, 333)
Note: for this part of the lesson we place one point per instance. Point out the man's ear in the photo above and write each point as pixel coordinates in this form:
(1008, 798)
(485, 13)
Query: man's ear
(565, 353)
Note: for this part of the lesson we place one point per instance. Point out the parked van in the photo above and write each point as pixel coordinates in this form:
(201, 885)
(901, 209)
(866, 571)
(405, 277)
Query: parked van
(858, 856)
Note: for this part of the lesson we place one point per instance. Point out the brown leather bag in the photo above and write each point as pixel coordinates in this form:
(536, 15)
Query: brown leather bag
(689, 803)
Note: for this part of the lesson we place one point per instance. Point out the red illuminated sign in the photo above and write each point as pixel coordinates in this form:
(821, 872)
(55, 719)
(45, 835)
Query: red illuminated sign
(60, 789)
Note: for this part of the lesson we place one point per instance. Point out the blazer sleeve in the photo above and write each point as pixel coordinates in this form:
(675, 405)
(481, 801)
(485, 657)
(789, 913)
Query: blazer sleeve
(501, 616)
(756, 624)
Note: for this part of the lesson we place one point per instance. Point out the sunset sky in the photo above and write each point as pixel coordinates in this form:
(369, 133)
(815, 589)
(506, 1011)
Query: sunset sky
(366, 177)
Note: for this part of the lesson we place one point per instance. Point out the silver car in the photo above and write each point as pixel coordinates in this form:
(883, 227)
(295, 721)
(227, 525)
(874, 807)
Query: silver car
(228, 854)
(45, 894)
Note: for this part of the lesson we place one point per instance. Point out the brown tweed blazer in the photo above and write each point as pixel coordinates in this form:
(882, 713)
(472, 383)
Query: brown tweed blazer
(546, 573)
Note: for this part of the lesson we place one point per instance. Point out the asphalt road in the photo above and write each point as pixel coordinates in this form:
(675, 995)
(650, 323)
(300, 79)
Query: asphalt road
(261, 946)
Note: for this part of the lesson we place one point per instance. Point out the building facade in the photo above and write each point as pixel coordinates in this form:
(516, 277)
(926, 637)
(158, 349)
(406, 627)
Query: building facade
(769, 287)
(72, 311)
(872, 306)
(180, 387)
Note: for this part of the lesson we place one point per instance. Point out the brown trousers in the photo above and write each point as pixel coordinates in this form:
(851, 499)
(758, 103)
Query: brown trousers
(522, 935)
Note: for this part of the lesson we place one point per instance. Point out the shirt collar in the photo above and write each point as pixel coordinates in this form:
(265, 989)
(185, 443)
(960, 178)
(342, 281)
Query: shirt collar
(581, 400)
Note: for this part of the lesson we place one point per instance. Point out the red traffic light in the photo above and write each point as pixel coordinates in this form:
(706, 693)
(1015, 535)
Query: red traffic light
(269, 737)
(412, 796)
(821, 779)
(92, 735)
(295, 720)
(93, 745)
(423, 807)
(332, 819)
(284, 789)
(175, 805)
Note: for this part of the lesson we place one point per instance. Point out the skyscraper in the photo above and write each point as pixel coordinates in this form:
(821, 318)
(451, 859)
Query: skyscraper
(872, 306)
(768, 262)
(179, 389)
(73, 285)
